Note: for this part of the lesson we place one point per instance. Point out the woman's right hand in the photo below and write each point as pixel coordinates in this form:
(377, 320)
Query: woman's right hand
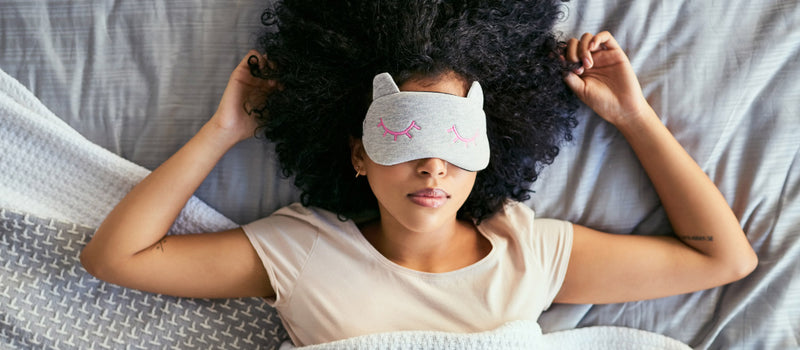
(131, 247)
(244, 92)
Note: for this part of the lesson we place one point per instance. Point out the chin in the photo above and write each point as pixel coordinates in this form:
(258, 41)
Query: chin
(423, 219)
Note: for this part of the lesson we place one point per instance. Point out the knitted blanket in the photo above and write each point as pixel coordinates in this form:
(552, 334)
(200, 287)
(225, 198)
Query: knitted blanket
(513, 335)
(55, 188)
(50, 170)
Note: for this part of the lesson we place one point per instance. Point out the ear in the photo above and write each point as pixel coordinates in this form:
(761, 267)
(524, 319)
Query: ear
(383, 84)
(358, 155)
(475, 94)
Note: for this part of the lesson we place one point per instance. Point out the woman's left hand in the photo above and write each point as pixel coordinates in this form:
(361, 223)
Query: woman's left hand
(709, 248)
(605, 81)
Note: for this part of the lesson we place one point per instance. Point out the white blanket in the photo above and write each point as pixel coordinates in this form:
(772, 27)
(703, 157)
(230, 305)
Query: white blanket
(48, 169)
(512, 335)
(55, 187)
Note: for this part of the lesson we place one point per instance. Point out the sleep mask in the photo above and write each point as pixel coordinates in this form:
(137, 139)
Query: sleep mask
(407, 125)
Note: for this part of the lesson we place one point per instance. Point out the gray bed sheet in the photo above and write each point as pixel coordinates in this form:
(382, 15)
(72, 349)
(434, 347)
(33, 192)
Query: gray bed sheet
(724, 78)
(140, 77)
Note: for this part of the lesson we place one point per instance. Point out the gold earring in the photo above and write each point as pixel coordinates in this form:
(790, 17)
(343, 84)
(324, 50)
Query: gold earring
(358, 172)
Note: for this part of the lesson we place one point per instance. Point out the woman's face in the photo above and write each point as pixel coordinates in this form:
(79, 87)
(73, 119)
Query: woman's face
(421, 195)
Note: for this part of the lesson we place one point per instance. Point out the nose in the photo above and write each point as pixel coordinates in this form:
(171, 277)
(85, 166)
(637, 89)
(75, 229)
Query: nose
(432, 167)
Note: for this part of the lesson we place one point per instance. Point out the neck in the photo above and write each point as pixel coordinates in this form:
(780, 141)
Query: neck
(454, 245)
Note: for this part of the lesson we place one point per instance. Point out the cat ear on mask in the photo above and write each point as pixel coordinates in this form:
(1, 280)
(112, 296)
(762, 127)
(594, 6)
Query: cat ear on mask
(383, 84)
(475, 94)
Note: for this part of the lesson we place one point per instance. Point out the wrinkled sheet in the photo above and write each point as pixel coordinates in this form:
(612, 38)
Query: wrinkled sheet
(140, 78)
(723, 76)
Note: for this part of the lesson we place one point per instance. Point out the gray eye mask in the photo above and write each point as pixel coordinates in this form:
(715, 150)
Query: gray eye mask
(407, 125)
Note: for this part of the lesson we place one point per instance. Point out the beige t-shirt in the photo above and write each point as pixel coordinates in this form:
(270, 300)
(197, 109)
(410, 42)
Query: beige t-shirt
(331, 283)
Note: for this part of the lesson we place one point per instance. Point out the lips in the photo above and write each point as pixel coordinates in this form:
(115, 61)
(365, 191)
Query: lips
(429, 197)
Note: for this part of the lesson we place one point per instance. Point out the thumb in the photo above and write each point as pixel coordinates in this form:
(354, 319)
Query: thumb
(575, 83)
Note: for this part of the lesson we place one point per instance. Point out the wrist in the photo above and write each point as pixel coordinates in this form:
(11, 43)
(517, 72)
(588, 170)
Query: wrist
(635, 120)
(219, 135)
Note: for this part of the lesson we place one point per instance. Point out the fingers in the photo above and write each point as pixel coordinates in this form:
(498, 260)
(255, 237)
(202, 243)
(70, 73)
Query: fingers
(256, 60)
(580, 50)
(604, 40)
(253, 53)
(256, 63)
(575, 83)
(583, 50)
(572, 53)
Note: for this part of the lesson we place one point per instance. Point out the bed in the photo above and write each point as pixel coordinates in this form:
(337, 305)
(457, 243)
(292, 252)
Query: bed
(138, 79)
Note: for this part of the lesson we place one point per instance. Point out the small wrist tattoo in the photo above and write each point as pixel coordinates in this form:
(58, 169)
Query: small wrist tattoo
(697, 238)
(160, 244)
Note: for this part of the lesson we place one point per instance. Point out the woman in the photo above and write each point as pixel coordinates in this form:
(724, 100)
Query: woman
(437, 240)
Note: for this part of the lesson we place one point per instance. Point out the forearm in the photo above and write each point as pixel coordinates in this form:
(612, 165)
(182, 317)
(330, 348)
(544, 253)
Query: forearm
(146, 213)
(710, 248)
(699, 214)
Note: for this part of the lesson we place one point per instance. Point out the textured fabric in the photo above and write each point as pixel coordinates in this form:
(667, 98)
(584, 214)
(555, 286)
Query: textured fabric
(55, 187)
(331, 283)
(140, 78)
(48, 302)
(408, 125)
(512, 335)
(48, 169)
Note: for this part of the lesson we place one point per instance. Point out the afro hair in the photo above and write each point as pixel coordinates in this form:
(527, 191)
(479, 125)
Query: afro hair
(325, 54)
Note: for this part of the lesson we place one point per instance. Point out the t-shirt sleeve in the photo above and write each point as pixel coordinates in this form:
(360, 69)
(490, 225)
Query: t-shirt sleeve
(553, 242)
(284, 241)
(548, 245)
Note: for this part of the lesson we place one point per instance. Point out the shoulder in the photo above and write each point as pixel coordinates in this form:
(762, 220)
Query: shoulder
(296, 222)
(519, 220)
(514, 216)
(297, 216)
(513, 213)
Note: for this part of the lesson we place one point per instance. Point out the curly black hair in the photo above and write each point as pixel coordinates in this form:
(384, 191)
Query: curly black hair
(325, 55)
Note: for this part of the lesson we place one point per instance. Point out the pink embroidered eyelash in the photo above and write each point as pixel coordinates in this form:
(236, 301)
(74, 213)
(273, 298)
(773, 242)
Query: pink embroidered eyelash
(459, 138)
(396, 133)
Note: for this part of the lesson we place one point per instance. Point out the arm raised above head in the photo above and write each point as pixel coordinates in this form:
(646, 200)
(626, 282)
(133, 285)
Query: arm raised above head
(130, 248)
(709, 249)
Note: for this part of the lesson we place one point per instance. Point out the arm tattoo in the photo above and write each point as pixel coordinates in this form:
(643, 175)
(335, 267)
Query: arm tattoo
(697, 238)
(160, 245)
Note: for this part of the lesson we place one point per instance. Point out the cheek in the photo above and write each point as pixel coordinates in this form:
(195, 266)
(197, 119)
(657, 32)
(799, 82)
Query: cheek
(385, 179)
(467, 182)
(462, 177)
